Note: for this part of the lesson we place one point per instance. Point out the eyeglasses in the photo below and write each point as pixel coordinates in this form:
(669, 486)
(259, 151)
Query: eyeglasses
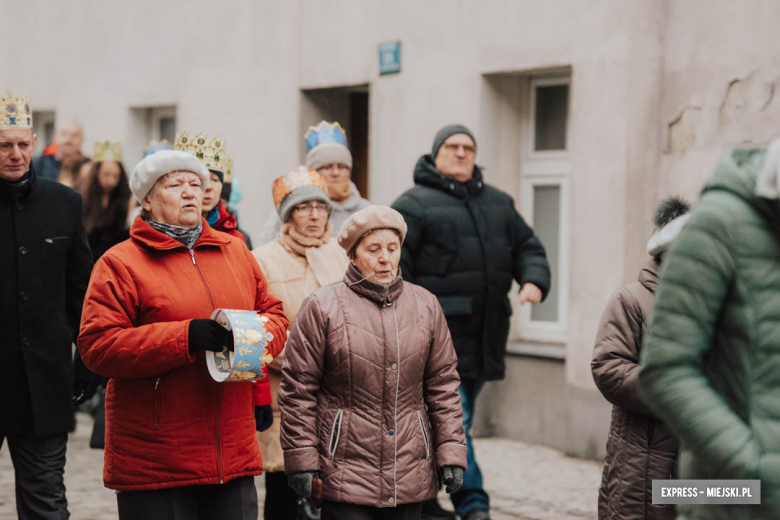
(309, 208)
(453, 148)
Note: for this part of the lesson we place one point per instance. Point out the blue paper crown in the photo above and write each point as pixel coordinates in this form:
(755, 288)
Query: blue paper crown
(156, 146)
(325, 133)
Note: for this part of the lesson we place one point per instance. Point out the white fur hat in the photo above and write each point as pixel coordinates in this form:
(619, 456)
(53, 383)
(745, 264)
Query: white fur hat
(159, 164)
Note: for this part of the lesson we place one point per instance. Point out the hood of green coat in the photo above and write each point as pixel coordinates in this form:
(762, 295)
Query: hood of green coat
(736, 173)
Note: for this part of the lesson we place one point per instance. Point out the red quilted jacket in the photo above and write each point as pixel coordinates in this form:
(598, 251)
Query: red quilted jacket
(168, 423)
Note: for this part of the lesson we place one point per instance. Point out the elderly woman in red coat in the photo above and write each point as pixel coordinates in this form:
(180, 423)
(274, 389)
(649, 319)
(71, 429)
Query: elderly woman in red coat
(178, 444)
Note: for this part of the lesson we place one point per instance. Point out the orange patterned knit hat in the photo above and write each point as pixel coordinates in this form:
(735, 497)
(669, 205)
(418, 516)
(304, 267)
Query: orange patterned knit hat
(300, 185)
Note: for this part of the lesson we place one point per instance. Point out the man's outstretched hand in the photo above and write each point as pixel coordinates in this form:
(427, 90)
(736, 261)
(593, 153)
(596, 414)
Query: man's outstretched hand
(530, 294)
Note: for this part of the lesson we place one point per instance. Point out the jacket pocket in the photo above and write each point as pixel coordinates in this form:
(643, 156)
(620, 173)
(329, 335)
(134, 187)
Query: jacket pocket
(55, 240)
(441, 249)
(335, 434)
(424, 432)
(456, 305)
(157, 402)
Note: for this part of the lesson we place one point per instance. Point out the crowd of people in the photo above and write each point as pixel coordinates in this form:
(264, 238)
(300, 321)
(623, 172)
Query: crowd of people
(380, 325)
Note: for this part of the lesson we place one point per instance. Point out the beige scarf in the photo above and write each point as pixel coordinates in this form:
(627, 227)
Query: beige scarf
(321, 266)
(339, 192)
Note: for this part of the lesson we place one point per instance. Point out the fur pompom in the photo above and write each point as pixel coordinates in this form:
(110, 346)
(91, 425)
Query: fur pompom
(670, 209)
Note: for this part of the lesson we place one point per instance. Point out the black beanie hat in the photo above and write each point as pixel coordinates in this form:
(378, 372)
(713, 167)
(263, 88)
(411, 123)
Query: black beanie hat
(227, 188)
(449, 130)
(218, 174)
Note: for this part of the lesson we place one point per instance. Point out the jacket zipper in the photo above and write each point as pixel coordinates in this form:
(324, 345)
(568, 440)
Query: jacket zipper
(395, 408)
(425, 436)
(157, 402)
(217, 432)
(335, 434)
(203, 279)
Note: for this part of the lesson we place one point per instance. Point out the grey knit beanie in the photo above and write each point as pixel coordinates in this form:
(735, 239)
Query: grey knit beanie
(445, 133)
(299, 196)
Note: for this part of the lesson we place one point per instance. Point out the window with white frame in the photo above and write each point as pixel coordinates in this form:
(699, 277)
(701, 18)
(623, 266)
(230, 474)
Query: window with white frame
(546, 169)
(163, 124)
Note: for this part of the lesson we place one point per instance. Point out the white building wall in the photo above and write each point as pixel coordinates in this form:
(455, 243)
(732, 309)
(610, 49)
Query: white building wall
(653, 102)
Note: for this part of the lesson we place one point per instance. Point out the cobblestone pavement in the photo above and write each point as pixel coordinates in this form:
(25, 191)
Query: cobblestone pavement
(525, 482)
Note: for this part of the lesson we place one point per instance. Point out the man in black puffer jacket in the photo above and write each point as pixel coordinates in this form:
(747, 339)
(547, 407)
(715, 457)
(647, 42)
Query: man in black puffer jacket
(466, 243)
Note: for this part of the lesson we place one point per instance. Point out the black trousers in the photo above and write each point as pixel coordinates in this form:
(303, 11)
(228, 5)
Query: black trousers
(234, 500)
(39, 465)
(344, 511)
(281, 503)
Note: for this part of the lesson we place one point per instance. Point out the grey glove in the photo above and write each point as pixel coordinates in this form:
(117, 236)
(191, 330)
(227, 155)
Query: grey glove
(452, 477)
(301, 484)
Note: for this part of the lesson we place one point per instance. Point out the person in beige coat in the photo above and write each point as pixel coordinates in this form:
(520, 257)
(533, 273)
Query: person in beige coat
(301, 259)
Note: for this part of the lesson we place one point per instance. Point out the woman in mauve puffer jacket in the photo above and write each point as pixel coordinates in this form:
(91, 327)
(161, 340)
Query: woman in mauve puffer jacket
(369, 393)
(640, 448)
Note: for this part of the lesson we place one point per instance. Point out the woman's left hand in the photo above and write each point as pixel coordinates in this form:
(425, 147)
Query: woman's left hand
(452, 477)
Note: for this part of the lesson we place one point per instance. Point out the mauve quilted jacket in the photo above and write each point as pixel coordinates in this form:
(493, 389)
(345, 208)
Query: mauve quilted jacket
(640, 448)
(369, 394)
(168, 423)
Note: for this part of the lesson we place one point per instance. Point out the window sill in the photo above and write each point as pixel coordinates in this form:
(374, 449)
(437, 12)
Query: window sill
(551, 351)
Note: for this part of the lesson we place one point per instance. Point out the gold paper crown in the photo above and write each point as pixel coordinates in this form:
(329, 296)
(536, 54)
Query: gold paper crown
(228, 173)
(16, 111)
(107, 151)
(210, 153)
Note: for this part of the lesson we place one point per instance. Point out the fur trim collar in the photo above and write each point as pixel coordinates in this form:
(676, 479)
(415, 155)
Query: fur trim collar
(663, 239)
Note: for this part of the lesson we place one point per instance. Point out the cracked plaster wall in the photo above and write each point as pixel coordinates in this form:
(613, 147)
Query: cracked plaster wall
(721, 76)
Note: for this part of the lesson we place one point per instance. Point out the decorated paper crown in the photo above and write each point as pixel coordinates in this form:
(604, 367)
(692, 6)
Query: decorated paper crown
(16, 111)
(156, 146)
(107, 151)
(298, 178)
(210, 153)
(228, 173)
(324, 133)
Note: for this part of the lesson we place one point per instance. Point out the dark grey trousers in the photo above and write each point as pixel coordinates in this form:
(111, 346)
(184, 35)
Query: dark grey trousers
(344, 511)
(39, 466)
(234, 500)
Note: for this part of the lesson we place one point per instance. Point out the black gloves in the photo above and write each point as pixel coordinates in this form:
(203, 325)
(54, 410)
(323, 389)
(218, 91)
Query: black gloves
(209, 335)
(307, 486)
(264, 417)
(83, 391)
(301, 483)
(85, 382)
(452, 477)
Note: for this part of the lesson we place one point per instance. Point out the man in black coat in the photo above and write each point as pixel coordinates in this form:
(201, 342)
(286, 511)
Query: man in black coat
(466, 243)
(45, 263)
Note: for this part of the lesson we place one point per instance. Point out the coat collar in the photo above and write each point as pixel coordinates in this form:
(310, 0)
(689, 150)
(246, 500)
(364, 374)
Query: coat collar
(30, 177)
(226, 221)
(352, 202)
(649, 275)
(380, 293)
(142, 232)
(425, 173)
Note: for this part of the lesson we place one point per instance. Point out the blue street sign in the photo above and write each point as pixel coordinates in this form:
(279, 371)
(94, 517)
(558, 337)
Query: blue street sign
(389, 58)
